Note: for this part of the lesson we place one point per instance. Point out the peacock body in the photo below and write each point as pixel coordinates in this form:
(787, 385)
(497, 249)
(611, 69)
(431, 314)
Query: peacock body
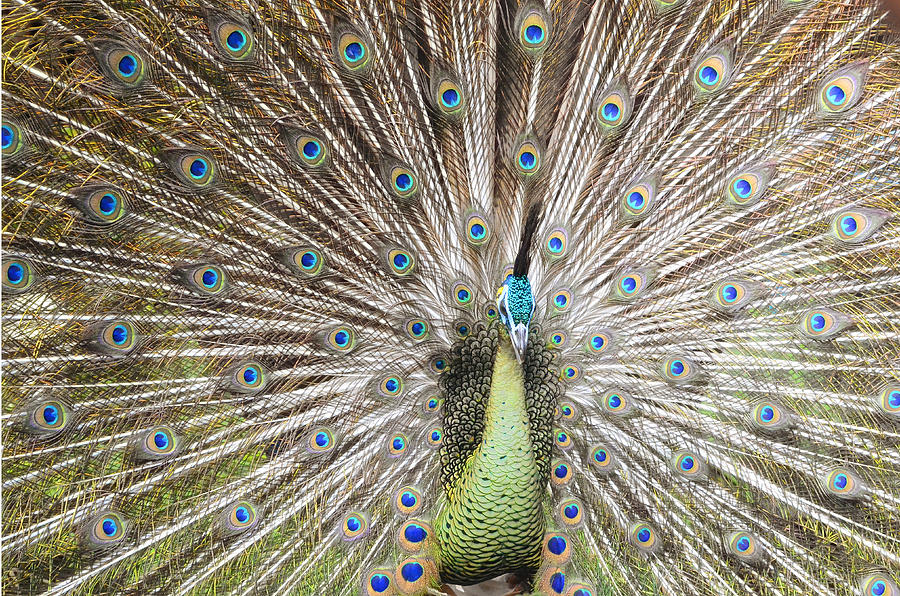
(253, 341)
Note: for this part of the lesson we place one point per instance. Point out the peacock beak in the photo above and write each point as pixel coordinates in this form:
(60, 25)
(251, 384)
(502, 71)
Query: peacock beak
(518, 335)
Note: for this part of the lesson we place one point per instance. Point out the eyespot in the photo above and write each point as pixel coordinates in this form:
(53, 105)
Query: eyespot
(570, 512)
(462, 294)
(121, 64)
(823, 323)
(613, 109)
(579, 589)
(311, 150)
(534, 29)
(449, 98)
(556, 244)
(599, 342)
(434, 437)
(616, 402)
(379, 582)
(732, 294)
(629, 285)
(570, 373)
(397, 445)
(415, 574)
(527, 158)
(490, 311)
(417, 329)
(403, 182)
(402, 262)
(878, 584)
(889, 400)
(748, 185)
(353, 53)
(342, 339)
(438, 364)
(198, 169)
(561, 473)
(567, 411)
(354, 526)
(678, 370)
(561, 301)
(557, 550)
(391, 386)
(431, 405)
(414, 536)
(115, 338)
(157, 443)
(638, 200)
(857, 225)
(205, 279)
(744, 546)
(557, 339)
(101, 204)
(844, 483)
(12, 139)
(770, 417)
(713, 72)
(842, 89)
(602, 460)
(688, 465)
(477, 230)
(321, 440)
(18, 275)
(562, 438)
(462, 329)
(644, 536)
(234, 40)
(307, 261)
(248, 377)
(408, 501)
(104, 530)
(47, 417)
(552, 581)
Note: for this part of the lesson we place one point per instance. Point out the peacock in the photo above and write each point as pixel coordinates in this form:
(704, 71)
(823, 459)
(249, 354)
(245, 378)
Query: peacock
(424, 297)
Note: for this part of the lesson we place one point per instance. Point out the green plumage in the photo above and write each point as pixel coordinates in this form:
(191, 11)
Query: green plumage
(383, 298)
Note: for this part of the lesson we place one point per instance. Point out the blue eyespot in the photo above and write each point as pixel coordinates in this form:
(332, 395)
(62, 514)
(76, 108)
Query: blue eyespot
(610, 112)
(561, 300)
(107, 204)
(561, 471)
(236, 40)
(435, 435)
(408, 499)
(241, 514)
(687, 463)
(743, 544)
(628, 284)
(676, 368)
(119, 335)
(398, 443)
(412, 571)
(767, 413)
(534, 34)
(527, 160)
(450, 98)
(635, 200)
(161, 440)
(817, 322)
(127, 65)
(322, 439)
(555, 244)
(849, 225)
(210, 277)
(709, 75)
(643, 535)
(198, 168)
(51, 415)
(836, 96)
(401, 261)
(15, 273)
(353, 523)
(110, 527)
(557, 545)
(729, 293)
(462, 295)
(403, 182)
(415, 533)
(380, 582)
(558, 582)
(742, 188)
(571, 511)
(840, 481)
(311, 149)
(8, 136)
(354, 51)
(614, 401)
(878, 588)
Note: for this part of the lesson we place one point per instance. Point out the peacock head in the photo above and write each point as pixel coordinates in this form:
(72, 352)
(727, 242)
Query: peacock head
(515, 303)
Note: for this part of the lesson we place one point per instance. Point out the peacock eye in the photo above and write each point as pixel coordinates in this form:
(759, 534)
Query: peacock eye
(307, 261)
(613, 108)
(534, 31)
(556, 243)
(477, 230)
(527, 158)
(122, 64)
(434, 437)
(561, 473)
(417, 329)
(557, 339)
(823, 323)
(391, 386)
(311, 150)
(853, 226)
(556, 548)
(18, 275)
(450, 98)
(842, 482)
(678, 370)
(105, 530)
(397, 445)
(878, 584)
(842, 89)
(688, 465)
(638, 200)
(403, 181)
(644, 536)
(629, 285)
(401, 261)
(320, 441)
(462, 294)
(342, 339)
(47, 418)
(569, 512)
(353, 52)
(116, 338)
(768, 416)
(12, 139)
(713, 71)
(408, 500)
(158, 443)
(561, 301)
(748, 185)
(616, 402)
(233, 40)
